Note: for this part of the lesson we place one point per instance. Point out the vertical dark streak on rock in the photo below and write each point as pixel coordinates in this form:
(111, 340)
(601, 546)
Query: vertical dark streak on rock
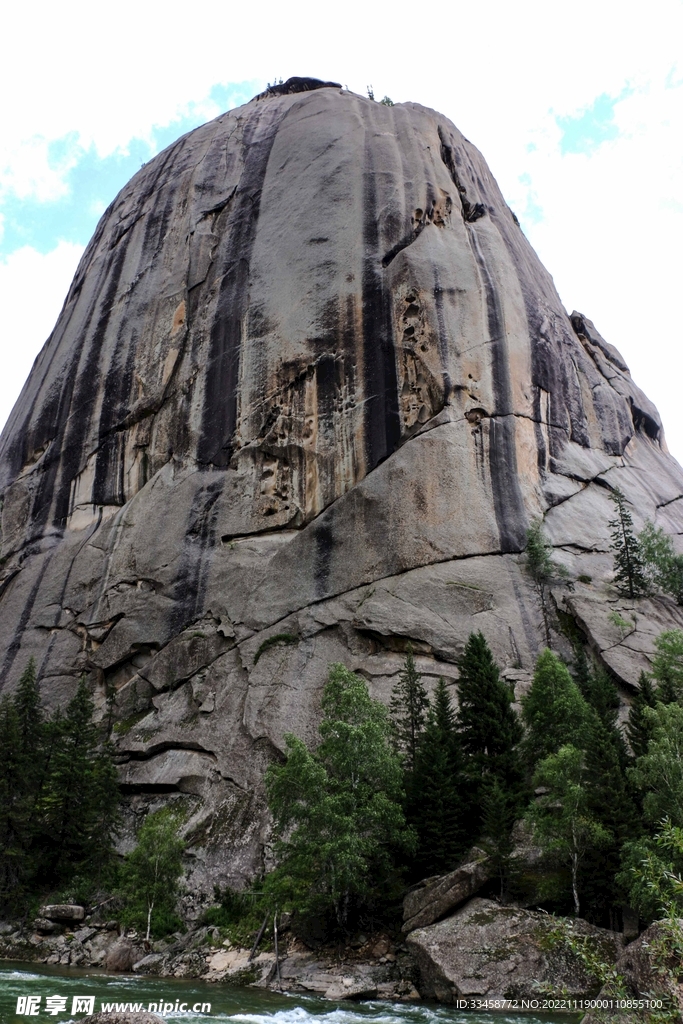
(222, 373)
(323, 539)
(507, 497)
(15, 643)
(69, 427)
(382, 418)
(443, 339)
(200, 540)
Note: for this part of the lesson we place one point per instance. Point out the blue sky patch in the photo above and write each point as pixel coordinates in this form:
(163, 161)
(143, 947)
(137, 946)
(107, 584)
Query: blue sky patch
(93, 181)
(585, 132)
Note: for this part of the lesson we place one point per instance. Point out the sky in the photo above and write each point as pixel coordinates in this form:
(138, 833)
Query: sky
(577, 105)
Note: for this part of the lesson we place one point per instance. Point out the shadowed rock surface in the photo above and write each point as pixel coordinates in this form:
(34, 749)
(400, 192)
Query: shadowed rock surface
(307, 390)
(436, 897)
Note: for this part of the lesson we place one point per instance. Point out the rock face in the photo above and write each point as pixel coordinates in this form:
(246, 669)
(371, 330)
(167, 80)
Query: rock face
(437, 897)
(489, 950)
(650, 968)
(307, 390)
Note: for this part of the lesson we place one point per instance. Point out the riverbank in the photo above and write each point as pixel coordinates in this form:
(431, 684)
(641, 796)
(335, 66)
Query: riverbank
(371, 967)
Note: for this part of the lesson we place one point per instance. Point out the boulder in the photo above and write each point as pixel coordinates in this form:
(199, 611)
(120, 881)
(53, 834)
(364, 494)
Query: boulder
(46, 927)
(352, 987)
(122, 955)
(63, 912)
(437, 897)
(650, 968)
(494, 951)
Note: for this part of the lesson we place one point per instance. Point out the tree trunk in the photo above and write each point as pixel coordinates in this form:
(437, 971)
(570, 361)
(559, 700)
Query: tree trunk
(150, 908)
(575, 891)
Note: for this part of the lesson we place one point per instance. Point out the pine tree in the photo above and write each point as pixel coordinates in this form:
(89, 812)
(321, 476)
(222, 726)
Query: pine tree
(499, 813)
(439, 805)
(630, 575)
(11, 851)
(639, 729)
(20, 767)
(78, 805)
(554, 711)
(487, 724)
(610, 801)
(408, 710)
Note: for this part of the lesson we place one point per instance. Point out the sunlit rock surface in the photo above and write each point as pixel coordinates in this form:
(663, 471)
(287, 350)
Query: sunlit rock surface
(309, 386)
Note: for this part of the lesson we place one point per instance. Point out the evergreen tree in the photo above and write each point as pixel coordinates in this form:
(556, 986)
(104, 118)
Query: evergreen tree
(488, 726)
(554, 711)
(542, 568)
(79, 801)
(408, 710)
(439, 807)
(630, 576)
(497, 821)
(639, 728)
(667, 666)
(20, 767)
(609, 800)
(609, 797)
(11, 849)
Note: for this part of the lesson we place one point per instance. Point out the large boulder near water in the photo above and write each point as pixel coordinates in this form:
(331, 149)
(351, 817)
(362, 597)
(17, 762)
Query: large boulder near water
(308, 389)
(649, 969)
(503, 952)
(436, 897)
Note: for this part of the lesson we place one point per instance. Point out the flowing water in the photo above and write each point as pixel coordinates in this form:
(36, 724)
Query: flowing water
(181, 1001)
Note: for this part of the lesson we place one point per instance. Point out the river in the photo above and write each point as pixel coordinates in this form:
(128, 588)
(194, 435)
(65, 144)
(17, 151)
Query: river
(181, 1001)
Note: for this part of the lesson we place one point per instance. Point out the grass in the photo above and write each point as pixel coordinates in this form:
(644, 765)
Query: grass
(272, 641)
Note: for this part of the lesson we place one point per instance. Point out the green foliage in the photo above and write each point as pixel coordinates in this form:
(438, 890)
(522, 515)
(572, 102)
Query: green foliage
(272, 641)
(554, 711)
(541, 567)
(489, 730)
(150, 875)
(78, 804)
(667, 666)
(338, 810)
(387, 102)
(539, 561)
(408, 709)
(438, 805)
(663, 566)
(497, 821)
(561, 817)
(639, 728)
(652, 873)
(659, 772)
(630, 575)
(58, 794)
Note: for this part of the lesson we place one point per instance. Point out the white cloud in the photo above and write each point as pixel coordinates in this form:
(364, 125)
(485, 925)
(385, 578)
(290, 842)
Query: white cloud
(33, 287)
(607, 225)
